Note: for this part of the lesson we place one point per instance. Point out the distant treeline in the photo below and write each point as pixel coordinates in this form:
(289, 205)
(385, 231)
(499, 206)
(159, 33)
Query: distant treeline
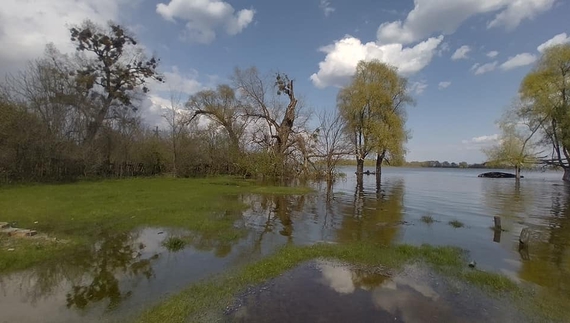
(428, 163)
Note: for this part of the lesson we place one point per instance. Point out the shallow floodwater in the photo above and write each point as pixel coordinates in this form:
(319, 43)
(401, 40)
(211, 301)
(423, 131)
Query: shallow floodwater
(325, 291)
(126, 273)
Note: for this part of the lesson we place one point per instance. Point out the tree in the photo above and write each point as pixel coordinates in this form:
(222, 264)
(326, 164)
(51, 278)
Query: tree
(112, 72)
(331, 143)
(224, 108)
(279, 116)
(372, 106)
(514, 149)
(546, 94)
(177, 120)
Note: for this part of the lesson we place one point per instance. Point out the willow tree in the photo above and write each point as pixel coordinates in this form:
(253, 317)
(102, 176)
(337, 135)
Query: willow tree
(546, 89)
(372, 106)
(222, 107)
(515, 147)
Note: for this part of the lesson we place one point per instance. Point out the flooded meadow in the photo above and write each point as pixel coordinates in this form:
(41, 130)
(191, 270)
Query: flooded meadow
(125, 272)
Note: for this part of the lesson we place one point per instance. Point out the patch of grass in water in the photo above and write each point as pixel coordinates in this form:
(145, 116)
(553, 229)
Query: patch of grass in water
(174, 244)
(427, 219)
(456, 224)
(78, 212)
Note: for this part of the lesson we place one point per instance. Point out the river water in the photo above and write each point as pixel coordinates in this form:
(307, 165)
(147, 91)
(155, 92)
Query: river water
(126, 273)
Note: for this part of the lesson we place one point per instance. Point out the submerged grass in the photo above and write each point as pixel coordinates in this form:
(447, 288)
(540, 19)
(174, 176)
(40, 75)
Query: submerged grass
(456, 224)
(427, 219)
(204, 301)
(78, 212)
(199, 300)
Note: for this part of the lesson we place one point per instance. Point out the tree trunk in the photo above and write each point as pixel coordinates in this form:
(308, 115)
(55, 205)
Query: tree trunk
(359, 166)
(518, 172)
(379, 160)
(566, 176)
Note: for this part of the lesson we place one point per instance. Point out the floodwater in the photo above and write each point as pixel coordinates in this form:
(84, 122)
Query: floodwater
(128, 272)
(325, 291)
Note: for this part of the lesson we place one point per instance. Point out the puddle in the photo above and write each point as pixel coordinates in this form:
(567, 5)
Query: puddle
(119, 276)
(325, 291)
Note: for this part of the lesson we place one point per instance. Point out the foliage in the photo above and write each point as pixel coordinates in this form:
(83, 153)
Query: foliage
(373, 109)
(546, 92)
(515, 147)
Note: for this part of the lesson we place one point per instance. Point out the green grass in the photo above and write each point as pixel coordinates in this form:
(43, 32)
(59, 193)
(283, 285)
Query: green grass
(78, 212)
(174, 244)
(427, 219)
(205, 300)
(456, 224)
(201, 299)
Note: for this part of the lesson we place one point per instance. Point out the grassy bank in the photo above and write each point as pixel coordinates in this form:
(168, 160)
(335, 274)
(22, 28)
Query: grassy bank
(75, 214)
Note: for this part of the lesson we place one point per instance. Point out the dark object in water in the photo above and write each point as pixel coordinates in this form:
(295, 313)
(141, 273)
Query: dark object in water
(366, 173)
(498, 175)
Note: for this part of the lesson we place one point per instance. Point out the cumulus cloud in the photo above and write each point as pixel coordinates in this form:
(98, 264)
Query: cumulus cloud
(326, 7)
(518, 10)
(177, 81)
(205, 17)
(27, 26)
(342, 57)
(445, 16)
(461, 53)
(492, 54)
(556, 40)
(485, 68)
(418, 87)
(443, 85)
(519, 60)
(482, 140)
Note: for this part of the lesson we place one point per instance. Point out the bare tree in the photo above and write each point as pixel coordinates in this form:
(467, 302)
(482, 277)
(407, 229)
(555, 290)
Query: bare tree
(331, 141)
(279, 115)
(177, 119)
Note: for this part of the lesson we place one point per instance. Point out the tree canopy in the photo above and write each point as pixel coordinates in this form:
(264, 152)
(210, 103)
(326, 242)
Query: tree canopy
(546, 93)
(373, 108)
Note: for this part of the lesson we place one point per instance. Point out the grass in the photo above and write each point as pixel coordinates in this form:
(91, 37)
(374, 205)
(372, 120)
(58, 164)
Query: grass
(174, 244)
(427, 219)
(205, 300)
(199, 300)
(456, 224)
(78, 212)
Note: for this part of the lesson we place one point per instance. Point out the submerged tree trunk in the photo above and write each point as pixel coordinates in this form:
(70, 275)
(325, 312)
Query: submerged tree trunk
(518, 172)
(359, 166)
(566, 176)
(379, 160)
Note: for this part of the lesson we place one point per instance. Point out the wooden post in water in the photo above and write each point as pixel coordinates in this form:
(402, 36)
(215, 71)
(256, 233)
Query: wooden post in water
(498, 223)
(524, 238)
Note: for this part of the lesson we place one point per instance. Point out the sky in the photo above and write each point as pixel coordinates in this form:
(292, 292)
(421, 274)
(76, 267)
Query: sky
(464, 59)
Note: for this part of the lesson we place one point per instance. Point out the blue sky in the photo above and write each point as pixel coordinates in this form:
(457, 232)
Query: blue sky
(318, 43)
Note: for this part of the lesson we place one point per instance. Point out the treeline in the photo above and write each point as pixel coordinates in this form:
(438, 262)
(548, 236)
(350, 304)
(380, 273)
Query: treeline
(69, 116)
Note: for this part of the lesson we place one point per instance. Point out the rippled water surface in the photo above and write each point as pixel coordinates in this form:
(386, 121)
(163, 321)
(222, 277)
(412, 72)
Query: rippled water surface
(125, 273)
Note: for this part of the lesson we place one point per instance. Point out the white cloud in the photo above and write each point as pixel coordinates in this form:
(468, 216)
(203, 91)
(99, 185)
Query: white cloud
(27, 26)
(418, 87)
(519, 60)
(443, 85)
(461, 53)
(556, 40)
(204, 17)
(445, 16)
(325, 5)
(177, 81)
(485, 68)
(492, 54)
(343, 56)
(518, 10)
(489, 139)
